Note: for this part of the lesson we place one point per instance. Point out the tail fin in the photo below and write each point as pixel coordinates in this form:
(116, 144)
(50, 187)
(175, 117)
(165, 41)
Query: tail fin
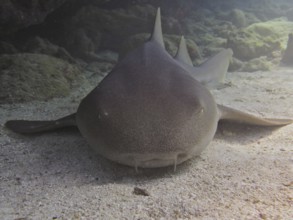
(230, 114)
(214, 70)
(29, 127)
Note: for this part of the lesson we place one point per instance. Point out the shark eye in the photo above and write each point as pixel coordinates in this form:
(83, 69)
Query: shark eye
(200, 110)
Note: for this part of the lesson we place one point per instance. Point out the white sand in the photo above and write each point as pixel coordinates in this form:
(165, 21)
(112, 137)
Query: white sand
(245, 173)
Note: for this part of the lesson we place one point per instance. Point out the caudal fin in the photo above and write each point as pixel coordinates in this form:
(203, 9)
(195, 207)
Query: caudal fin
(214, 70)
(29, 127)
(230, 114)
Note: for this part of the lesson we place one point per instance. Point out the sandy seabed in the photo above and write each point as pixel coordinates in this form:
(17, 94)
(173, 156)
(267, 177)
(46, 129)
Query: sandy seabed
(245, 173)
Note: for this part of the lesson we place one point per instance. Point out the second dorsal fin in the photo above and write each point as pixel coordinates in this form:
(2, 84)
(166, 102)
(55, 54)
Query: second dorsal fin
(182, 54)
(157, 35)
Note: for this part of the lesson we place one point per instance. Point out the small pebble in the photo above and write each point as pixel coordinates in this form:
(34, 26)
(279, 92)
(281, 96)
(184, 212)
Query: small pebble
(140, 192)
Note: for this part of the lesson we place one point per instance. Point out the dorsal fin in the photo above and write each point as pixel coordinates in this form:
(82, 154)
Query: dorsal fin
(157, 35)
(182, 54)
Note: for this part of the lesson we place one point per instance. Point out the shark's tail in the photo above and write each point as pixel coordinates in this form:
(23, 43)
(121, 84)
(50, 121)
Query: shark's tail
(28, 127)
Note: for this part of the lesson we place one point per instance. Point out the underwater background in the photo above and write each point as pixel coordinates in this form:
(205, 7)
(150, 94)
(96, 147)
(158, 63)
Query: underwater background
(54, 41)
(53, 52)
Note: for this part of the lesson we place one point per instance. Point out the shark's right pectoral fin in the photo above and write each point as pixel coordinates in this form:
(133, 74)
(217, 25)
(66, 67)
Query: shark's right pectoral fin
(230, 114)
(28, 127)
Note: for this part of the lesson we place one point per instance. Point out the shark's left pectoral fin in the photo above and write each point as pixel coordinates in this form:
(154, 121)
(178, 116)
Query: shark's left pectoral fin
(230, 114)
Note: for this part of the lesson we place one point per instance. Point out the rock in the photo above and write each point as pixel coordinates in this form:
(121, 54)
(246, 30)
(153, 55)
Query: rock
(83, 45)
(44, 46)
(195, 28)
(131, 43)
(260, 39)
(96, 71)
(257, 64)
(275, 28)
(246, 45)
(117, 25)
(26, 77)
(208, 31)
(171, 25)
(211, 41)
(238, 18)
(16, 15)
(100, 68)
(288, 54)
(171, 44)
(251, 18)
(211, 51)
(85, 27)
(7, 48)
(193, 49)
(235, 65)
(107, 56)
(222, 29)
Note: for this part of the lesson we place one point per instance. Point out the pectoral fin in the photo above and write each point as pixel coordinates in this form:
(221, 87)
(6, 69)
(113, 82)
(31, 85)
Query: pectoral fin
(230, 114)
(28, 127)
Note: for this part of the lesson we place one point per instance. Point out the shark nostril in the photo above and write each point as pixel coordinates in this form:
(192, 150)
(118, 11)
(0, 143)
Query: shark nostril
(181, 156)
